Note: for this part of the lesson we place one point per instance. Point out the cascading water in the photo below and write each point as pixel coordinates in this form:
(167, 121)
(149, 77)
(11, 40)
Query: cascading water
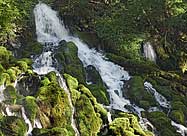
(27, 121)
(166, 104)
(149, 52)
(159, 98)
(2, 87)
(50, 29)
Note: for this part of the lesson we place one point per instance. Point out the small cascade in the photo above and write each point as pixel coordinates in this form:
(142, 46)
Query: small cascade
(180, 128)
(149, 52)
(109, 116)
(44, 63)
(9, 111)
(159, 98)
(37, 123)
(166, 104)
(63, 85)
(27, 121)
(2, 87)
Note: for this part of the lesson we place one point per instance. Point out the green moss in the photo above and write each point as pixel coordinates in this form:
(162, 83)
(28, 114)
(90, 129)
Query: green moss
(45, 81)
(54, 106)
(135, 67)
(22, 65)
(12, 74)
(97, 87)
(1, 69)
(10, 94)
(4, 78)
(56, 131)
(52, 77)
(99, 93)
(138, 94)
(177, 116)
(128, 125)
(5, 56)
(11, 125)
(162, 123)
(89, 122)
(31, 107)
(71, 81)
(67, 57)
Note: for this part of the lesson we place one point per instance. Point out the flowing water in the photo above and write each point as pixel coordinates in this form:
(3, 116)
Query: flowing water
(50, 34)
(159, 98)
(27, 121)
(2, 87)
(166, 104)
(50, 29)
(149, 52)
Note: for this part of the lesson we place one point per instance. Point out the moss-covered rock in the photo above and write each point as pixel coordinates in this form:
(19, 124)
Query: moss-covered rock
(90, 115)
(127, 124)
(54, 107)
(67, 57)
(5, 56)
(10, 95)
(177, 116)
(138, 94)
(96, 85)
(31, 108)
(56, 131)
(162, 123)
(28, 84)
(14, 126)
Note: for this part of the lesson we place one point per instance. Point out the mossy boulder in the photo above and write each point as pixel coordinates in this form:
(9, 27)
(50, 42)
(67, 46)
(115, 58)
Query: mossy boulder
(162, 123)
(5, 56)
(127, 125)
(28, 84)
(31, 108)
(56, 131)
(67, 57)
(138, 94)
(5, 79)
(12, 126)
(96, 85)
(10, 95)
(90, 115)
(54, 108)
(177, 116)
(73, 85)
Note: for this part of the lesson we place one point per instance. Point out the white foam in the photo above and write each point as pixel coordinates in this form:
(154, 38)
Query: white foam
(159, 98)
(180, 128)
(149, 52)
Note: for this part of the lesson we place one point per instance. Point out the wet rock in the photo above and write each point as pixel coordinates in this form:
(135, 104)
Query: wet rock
(11, 125)
(28, 85)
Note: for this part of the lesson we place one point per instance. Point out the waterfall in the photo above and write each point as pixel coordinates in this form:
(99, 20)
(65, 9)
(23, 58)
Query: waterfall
(159, 98)
(64, 86)
(49, 32)
(149, 52)
(180, 128)
(27, 121)
(2, 87)
(50, 29)
(166, 104)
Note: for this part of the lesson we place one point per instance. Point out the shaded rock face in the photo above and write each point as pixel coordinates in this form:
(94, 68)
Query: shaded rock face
(96, 85)
(92, 76)
(28, 85)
